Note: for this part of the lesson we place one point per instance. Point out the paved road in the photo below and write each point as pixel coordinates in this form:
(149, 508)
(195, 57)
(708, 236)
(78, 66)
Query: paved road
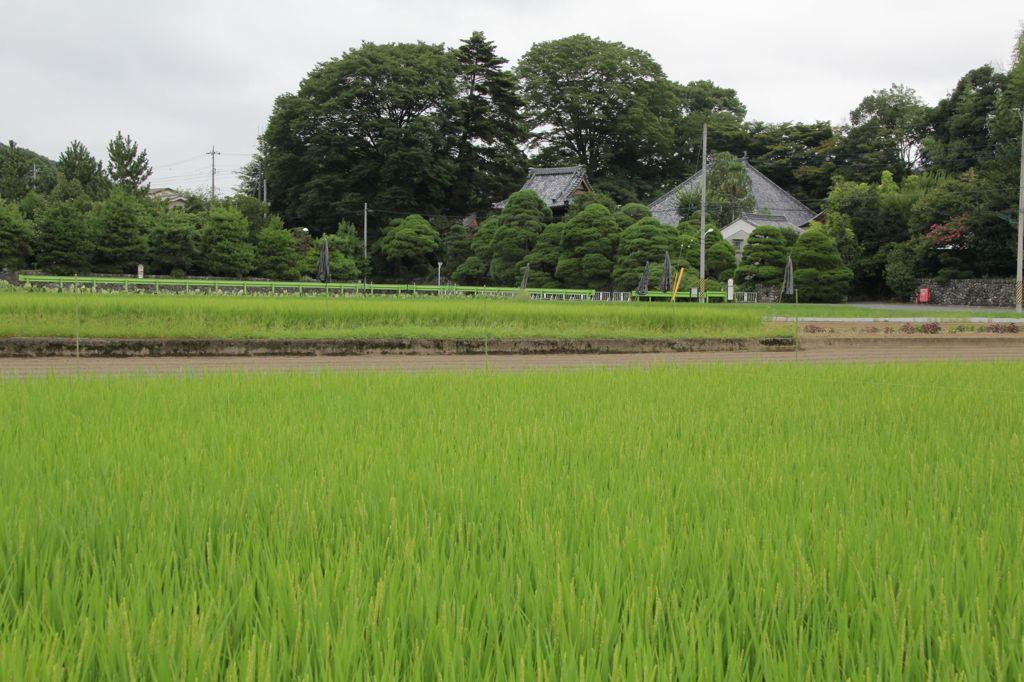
(889, 352)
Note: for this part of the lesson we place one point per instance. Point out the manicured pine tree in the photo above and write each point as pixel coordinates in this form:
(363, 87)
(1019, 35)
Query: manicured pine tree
(644, 241)
(277, 252)
(764, 258)
(818, 270)
(588, 246)
(409, 245)
(518, 226)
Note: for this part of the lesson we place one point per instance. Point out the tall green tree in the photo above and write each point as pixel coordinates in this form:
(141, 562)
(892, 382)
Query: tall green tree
(64, 242)
(120, 225)
(885, 133)
(23, 171)
(697, 103)
(224, 247)
(601, 104)
(76, 163)
(818, 271)
(16, 236)
(960, 124)
(588, 247)
(374, 125)
(796, 156)
(764, 258)
(277, 253)
(729, 192)
(173, 242)
(128, 167)
(488, 111)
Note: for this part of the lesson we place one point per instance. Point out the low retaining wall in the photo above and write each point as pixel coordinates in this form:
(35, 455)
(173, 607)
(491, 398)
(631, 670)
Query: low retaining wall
(971, 292)
(24, 347)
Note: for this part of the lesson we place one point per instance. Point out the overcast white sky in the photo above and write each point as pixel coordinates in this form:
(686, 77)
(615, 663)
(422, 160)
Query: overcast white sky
(182, 76)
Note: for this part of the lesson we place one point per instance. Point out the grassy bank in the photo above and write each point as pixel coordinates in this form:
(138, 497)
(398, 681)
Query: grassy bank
(573, 525)
(256, 317)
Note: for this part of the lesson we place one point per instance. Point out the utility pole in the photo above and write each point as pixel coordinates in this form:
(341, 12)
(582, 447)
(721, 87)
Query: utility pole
(1019, 294)
(703, 204)
(35, 174)
(213, 173)
(366, 210)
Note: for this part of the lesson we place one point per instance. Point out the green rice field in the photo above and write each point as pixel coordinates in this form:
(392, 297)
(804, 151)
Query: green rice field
(764, 522)
(291, 317)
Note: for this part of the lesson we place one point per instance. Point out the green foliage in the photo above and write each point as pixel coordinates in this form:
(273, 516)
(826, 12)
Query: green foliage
(601, 104)
(410, 244)
(764, 258)
(488, 163)
(701, 102)
(129, 168)
(885, 133)
(16, 236)
(23, 171)
(345, 250)
(77, 164)
(255, 211)
(729, 192)
(369, 126)
(796, 156)
(471, 271)
(31, 204)
(519, 224)
(584, 199)
(818, 271)
(456, 247)
(543, 259)
(629, 214)
(646, 240)
(64, 242)
(901, 270)
(173, 242)
(119, 224)
(588, 246)
(224, 247)
(277, 253)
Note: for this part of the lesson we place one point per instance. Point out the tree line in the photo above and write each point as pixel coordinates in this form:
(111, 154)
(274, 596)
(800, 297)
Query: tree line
(426, 135)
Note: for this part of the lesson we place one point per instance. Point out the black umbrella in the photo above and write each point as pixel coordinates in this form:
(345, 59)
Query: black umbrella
(645, 280)
(666, 274)
(323, 268)
(787, 279)
(526, 277)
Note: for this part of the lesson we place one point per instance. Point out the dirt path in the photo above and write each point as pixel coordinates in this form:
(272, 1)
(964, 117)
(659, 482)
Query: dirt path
(894, 351)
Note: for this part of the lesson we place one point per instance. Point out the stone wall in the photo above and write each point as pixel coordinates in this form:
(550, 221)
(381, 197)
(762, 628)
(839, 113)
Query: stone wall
(983, 292)
(9, 276)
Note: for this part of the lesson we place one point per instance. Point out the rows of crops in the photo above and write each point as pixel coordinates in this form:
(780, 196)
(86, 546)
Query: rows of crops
(743, 522)
(163, 316)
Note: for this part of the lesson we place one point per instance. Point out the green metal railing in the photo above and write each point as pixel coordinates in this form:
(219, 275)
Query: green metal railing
(246, 286)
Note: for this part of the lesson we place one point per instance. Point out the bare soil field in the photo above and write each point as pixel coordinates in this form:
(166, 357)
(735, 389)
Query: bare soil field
(819, 350)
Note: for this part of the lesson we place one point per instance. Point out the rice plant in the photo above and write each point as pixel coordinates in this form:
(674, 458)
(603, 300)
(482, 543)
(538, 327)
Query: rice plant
(770, 522)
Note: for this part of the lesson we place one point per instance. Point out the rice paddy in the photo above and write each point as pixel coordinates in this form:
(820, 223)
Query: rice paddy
(105, 315)
(718, 523)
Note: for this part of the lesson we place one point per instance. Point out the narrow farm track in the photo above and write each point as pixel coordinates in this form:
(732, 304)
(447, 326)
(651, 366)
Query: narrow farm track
(869, 353)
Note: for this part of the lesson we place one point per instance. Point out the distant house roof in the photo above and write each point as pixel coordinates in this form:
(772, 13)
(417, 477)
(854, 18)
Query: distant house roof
(769, 200)
(166, 194)
(556, 186)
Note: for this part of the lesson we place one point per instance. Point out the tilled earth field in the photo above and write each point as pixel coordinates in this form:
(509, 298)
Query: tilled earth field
(910, 349)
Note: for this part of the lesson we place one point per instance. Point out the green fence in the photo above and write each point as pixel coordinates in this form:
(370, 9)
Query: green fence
(251, 286)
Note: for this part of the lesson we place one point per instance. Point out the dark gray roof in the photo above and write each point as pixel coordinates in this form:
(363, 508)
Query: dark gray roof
(769, 199)
(556, 186)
